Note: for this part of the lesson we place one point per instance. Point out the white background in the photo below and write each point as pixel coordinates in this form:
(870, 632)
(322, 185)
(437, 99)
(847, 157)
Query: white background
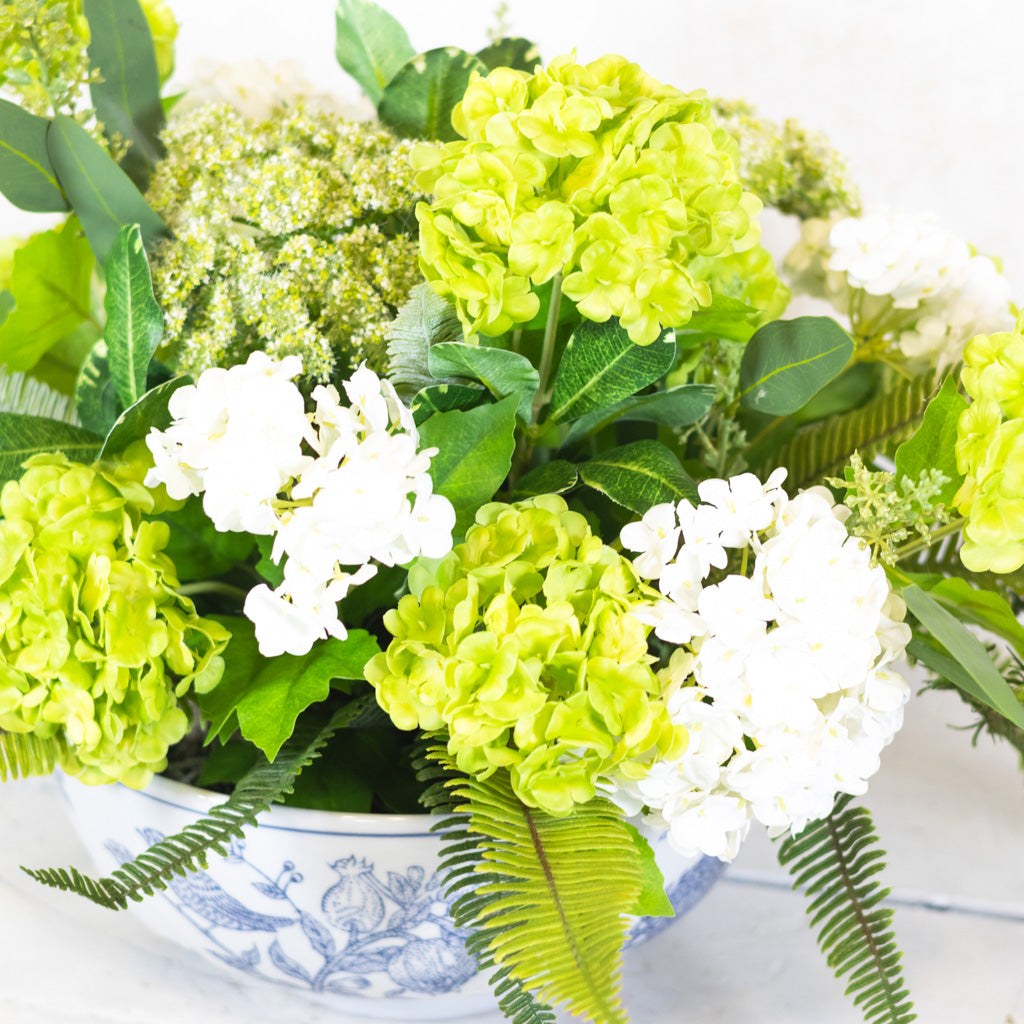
(925, 100)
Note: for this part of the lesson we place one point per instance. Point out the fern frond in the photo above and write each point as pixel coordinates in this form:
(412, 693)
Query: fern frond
(265, 783)
(836, 859)
(822, 449)
(20, 393)
(426, 319)
(23, 754)
(545, 897)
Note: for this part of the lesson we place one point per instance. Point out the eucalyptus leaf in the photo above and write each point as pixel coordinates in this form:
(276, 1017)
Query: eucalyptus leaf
(552, 477)
(674, 407)
(639, 475)
(23, 436)
(933, 445)
(503, 373)
(27, 177)
(95, 396)
(979, 676)
(370, 45)
(50, 290)
(418, 101)
(787, 362)
(266, 695)
(135, 324)
(102, 195)
(127, 93)
(510, 52)
(149, 413)
(474, 455)
(444, 398)
(726, 317)
(601, 366)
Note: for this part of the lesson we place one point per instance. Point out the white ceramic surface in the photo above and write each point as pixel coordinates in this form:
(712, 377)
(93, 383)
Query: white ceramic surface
(345, 906)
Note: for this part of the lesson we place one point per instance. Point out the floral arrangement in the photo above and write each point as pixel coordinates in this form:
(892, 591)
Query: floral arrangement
(480, 423)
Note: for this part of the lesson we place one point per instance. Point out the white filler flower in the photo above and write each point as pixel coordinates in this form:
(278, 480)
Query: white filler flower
(783, 677)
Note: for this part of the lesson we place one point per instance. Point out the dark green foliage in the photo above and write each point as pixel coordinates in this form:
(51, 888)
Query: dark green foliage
(836, 860)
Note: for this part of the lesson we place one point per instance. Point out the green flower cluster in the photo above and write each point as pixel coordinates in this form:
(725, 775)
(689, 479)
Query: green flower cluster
(289, 237)
(597, 172)
(95, 643)
(990, 452)
(788, 167)
(521, 644)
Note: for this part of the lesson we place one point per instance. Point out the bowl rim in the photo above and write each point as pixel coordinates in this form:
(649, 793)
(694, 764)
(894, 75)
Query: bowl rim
(194, 799)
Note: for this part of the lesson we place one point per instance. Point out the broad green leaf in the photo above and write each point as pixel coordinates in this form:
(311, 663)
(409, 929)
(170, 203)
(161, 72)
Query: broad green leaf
(22, 436)
(639, 475)
(127, 95)
(95, 398)
(135, 324)
(933, 445)
(850, 390)
(370, 45)
(197, 549)
(7, 305)
(102, 195)
(149, 413)
(266, 695)
(674, 407)
(787, 362)
(979, 676)
(984, 608)
(474, 457)
(601, 366)
(548, 478)
(652, 901)
(725, 318)
(503, 373)
(444, 398)
(419, 100)
(50, 288)
(511, 52)
(27, 178)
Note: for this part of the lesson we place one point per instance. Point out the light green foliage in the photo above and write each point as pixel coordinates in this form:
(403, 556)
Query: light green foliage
(598, 172)
(990, 452)
(521, 644)
(288, 238)
(886, 507)
(96, 645)
(837, 859)
(749, 277)
(49, 276)
(795, 170)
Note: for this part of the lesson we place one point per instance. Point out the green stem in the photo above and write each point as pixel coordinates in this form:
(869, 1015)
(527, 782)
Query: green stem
(916, 546)
(548, 349)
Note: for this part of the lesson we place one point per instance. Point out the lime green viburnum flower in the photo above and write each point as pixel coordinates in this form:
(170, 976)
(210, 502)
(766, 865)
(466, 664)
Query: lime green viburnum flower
(598, 172)
(95, 642)
(990, 452)
(521, 644)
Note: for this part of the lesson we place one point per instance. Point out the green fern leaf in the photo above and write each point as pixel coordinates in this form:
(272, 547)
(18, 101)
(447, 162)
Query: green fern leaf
(836, 860)
(25, 395)
(265, 783)
(23, 754)
(824, 448)
(426, 319)
(546, 897)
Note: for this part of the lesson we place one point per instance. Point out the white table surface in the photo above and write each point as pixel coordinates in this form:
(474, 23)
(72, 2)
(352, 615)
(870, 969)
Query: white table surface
(951, 818)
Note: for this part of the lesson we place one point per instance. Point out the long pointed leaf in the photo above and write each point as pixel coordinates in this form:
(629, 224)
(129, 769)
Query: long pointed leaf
(27, 177)
(21, 437)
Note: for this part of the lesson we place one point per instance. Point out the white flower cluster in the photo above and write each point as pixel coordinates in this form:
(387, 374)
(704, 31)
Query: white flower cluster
(338, 490)
(782, 676)
(941, 293)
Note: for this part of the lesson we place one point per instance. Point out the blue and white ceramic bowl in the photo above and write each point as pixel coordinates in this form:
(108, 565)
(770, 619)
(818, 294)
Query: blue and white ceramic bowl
(346, 906)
